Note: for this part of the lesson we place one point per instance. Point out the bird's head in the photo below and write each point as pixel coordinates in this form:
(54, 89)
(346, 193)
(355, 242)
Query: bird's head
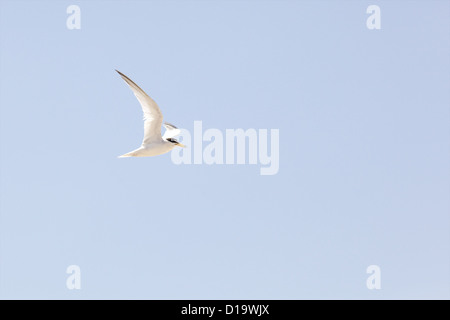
(175, 142)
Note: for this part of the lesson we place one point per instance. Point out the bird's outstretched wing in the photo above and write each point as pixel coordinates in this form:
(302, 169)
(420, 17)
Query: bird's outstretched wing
(152, 115)
(171, 131)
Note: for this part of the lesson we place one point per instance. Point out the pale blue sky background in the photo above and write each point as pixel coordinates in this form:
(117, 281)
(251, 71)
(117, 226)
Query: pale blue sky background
(364, 150)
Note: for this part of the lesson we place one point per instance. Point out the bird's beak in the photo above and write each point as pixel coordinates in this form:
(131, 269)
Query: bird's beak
(181, 145)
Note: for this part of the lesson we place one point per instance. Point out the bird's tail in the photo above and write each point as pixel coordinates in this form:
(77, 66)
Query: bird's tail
(127, 155)
(134, 153)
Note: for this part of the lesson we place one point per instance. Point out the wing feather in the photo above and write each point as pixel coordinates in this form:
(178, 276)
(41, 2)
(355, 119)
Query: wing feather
(171, 131)
(152, 114)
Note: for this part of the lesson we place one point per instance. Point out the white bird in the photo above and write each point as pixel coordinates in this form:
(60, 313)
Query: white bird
(153, 144)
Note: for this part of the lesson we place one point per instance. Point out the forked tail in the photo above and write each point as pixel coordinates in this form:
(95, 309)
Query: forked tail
(127, 155)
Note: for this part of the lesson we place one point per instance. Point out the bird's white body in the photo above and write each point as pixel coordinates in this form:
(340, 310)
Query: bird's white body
(153, 144)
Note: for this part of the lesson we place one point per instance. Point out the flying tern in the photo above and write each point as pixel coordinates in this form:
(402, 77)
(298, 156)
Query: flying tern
(153, 143)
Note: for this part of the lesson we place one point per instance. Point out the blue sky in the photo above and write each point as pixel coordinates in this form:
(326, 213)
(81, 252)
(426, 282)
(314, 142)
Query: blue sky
(364, 150)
